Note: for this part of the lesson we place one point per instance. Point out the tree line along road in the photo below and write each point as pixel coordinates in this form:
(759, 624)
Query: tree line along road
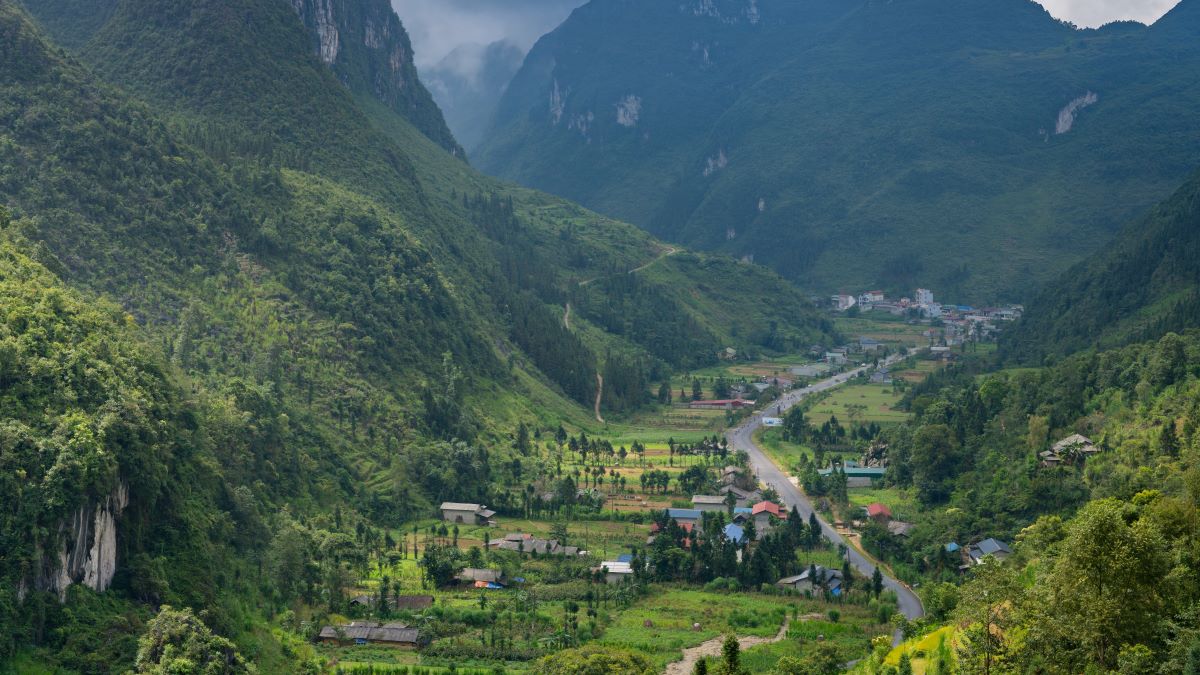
(742, 438)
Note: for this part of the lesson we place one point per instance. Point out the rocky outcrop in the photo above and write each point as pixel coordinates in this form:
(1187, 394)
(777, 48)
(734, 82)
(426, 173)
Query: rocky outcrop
(368, 49)
(83, 550)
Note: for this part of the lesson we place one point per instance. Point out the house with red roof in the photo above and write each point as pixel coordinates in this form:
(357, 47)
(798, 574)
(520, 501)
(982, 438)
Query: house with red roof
(763, 513)
(880, 513)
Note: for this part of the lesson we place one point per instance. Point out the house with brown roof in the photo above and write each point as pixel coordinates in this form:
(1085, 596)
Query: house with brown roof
(395, 635)
(710, 503)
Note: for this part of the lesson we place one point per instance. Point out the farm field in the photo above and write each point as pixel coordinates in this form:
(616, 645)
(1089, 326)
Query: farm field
(890, 330)
(784, 453)
(862, 403)
(661, 626)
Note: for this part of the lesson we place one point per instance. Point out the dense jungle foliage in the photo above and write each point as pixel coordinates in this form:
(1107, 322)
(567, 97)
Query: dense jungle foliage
(265, 302)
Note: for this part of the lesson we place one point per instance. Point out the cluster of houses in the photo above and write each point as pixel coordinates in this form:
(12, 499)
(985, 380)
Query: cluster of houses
(839, 356)
(962, 322)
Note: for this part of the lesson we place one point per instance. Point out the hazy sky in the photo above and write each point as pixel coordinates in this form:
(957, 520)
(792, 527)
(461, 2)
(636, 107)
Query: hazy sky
(438, 26)
(1093, 13)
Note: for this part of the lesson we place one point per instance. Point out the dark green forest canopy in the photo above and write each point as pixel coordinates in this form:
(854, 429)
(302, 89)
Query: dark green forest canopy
(1142, 285)
(915, 143)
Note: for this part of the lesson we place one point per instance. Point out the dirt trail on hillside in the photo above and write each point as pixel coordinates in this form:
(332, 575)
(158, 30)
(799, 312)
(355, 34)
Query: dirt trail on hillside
(671, 250)
(599, 395)
(713, 648)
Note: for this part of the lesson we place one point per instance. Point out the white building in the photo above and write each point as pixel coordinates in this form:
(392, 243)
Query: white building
(615, 571)
(843, 302)
(924, 296)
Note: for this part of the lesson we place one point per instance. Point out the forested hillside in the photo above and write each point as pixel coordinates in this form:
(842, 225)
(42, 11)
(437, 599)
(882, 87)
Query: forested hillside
(1139, 287)
(856, 144)
(1107, 533)
(336, 322)
(98, 432)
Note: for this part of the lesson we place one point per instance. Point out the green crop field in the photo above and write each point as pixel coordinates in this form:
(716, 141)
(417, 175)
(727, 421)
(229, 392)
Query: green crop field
(784, 453)
(885, 329)
(864, 403)
(662, 625)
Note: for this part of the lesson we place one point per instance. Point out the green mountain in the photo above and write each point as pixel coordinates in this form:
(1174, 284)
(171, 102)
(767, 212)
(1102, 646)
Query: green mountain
(1143, 285)
(243, 281)
(978, 148)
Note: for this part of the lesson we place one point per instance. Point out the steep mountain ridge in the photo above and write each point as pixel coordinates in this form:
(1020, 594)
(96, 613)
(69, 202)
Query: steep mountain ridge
(370, 51)
(364, 318)
(847, 144)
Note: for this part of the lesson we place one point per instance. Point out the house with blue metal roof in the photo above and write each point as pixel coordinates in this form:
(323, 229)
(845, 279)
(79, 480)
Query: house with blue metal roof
(735, 533)
(685, 516)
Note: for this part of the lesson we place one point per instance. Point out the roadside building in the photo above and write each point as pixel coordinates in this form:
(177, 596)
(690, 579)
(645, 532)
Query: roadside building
(764, 514)
(721, 404)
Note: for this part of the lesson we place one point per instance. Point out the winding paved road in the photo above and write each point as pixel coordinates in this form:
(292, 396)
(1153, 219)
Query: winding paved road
(742, 438)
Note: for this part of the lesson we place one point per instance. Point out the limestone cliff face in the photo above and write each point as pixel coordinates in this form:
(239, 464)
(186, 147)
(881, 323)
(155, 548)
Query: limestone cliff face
(83, 550)
(367, 47)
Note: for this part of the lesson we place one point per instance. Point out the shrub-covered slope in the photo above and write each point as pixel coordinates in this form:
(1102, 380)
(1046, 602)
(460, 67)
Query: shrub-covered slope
(1139, 287)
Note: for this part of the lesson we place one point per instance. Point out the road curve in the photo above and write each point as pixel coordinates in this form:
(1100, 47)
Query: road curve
(742, 438)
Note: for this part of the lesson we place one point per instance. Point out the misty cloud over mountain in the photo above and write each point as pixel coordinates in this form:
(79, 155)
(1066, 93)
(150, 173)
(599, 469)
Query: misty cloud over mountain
(438, 27)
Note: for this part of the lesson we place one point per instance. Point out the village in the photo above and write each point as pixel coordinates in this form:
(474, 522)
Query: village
(610, 521)
(959, 324)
